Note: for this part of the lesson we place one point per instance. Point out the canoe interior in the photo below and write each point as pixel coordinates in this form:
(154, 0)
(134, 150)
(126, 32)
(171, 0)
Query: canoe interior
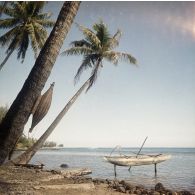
(140, 160)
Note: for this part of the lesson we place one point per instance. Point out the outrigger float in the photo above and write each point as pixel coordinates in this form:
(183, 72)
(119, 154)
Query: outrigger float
(136, 160)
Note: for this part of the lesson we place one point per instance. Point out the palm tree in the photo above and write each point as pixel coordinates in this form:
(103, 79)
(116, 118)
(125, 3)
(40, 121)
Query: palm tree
(96, 47)
(12, 125)
(27, 25)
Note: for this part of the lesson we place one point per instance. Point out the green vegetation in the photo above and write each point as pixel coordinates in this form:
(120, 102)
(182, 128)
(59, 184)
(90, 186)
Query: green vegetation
(24, 142)
(49, 144)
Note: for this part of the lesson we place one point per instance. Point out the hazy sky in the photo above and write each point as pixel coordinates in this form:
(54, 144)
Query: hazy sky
(126, 104)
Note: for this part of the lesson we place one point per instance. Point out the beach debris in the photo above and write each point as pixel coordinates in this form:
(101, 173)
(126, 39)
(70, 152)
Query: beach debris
(68, 173)
(41, 107)
(83, 186)
(31, 166)
(52, 177)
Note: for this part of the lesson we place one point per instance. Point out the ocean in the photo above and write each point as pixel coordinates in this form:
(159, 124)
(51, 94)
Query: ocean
(177, 173)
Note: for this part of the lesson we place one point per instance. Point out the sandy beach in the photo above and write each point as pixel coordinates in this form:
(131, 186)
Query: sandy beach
(22, 180)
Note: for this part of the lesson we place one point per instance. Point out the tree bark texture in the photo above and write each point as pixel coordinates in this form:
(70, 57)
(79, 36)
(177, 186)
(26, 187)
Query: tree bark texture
(25, 157)
(12, 125)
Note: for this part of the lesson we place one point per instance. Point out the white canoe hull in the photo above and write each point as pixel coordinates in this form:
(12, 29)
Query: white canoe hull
(140, 160)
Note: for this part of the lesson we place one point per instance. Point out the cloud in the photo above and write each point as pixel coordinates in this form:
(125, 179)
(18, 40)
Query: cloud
(174, 19)
(182, 22)
(184, 25)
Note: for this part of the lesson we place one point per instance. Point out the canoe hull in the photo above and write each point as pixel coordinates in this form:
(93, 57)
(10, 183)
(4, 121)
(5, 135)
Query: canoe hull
(140, 160)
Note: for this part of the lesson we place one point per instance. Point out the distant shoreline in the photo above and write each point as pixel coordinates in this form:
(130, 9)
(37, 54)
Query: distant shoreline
(46, 148)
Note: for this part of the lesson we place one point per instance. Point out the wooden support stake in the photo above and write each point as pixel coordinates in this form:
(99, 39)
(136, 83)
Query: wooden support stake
(155, 169)
(115, 170)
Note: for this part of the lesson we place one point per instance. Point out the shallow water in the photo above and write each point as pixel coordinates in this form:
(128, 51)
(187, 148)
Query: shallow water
(177, 173)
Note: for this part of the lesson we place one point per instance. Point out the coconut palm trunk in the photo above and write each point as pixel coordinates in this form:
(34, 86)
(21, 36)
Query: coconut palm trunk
(26, 156)
(12, 126)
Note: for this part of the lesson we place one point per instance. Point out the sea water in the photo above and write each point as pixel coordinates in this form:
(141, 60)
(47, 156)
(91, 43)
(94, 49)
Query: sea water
(177, 173)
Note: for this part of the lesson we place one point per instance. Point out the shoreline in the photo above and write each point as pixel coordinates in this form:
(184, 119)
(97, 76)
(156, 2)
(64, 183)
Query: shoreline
(22, 180)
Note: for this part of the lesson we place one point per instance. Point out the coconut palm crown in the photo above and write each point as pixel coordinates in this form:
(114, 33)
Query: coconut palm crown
(27, 25)
(96, 46)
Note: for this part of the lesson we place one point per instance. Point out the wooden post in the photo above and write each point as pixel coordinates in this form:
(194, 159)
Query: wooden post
(115, 170)
(155, 169)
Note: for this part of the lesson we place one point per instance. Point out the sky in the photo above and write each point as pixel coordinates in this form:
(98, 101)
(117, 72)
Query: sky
(127, 103)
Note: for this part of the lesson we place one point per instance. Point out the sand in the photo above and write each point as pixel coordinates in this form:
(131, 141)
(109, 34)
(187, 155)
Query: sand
(26, 181)
(19, 180)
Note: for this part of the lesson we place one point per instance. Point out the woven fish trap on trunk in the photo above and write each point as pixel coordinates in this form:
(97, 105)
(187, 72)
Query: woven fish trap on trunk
(41, 107)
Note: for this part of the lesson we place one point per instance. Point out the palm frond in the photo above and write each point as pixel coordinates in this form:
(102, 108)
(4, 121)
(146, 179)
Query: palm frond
(114, 41)
(9, 22)
(2, 6)
(19, 7)
(42, 16)
(46, 23)
(34, 44)
(14, 43)
(90, 36)
(7, 37)
(40, 34)
(102, 32)
(94, 74)
(111, 56)
(127, 57)
(88, 62)
(40, 39)
(38, 6)
(78, 51)
(114, 57)
(23, 46)
(81, 43)
(6, 58)
(7, 10)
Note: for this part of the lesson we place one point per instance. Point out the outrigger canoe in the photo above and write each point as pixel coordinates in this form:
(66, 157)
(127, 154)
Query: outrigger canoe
(137, 160)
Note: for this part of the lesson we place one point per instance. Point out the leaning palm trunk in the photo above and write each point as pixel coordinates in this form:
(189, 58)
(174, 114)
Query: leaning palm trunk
(12, 126)
(26, 156)
(6, 58)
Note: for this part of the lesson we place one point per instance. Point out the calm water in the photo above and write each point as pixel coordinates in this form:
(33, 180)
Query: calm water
(176, 173)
